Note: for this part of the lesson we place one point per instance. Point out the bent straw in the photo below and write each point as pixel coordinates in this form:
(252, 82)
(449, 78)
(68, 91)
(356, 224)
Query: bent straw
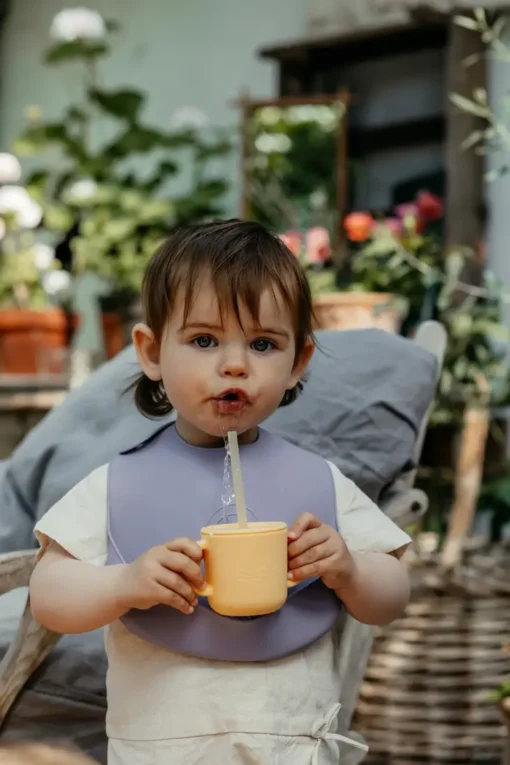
(237, 479)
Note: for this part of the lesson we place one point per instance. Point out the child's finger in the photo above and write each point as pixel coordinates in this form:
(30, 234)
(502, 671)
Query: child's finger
(309, 538)
(310, 570)
(187, 547)
(312, 555)
(302, 523)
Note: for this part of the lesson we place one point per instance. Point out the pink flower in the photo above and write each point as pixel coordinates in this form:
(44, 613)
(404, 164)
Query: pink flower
(408, 210)
(430, 206)
(409, 214)
(318, 244)
(394, 226)
(292, 240)
(358, 226)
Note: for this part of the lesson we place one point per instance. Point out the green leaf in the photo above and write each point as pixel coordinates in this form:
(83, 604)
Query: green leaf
(480, 16)
(40, 137)
(461, 325)
(480, 96)
(475, 137)
(466, 105)
(156, 210)
(36, 185)
(68, 51)
(466, 22)
(211, 151)
(58, 218)
(76, 115)
(136, 140)
(124, 104)
(211, 189)
(492, 329)
(120, 229)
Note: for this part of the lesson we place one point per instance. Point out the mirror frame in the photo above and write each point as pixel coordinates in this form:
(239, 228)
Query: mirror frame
(248, 106)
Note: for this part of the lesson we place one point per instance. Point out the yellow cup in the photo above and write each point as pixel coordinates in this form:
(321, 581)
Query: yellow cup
(245, 568)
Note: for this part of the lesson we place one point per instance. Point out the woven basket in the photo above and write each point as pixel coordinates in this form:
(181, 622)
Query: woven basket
(427, 692)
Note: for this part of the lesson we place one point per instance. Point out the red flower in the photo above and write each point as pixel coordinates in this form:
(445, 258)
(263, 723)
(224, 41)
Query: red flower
(318, 245)
(292, 240)
(359, 226)
(430, 206)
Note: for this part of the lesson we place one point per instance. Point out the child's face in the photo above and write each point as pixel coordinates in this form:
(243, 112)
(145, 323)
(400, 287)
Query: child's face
(223, 376)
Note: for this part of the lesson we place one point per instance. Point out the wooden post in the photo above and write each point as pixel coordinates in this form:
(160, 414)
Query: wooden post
(464, 168)
(468, 475)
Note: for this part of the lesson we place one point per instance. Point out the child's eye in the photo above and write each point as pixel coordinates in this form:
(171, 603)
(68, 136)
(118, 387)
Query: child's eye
(261, 345)
(204, 341)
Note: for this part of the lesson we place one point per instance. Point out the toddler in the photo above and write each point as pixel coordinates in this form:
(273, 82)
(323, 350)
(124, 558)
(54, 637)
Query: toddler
(226, 339)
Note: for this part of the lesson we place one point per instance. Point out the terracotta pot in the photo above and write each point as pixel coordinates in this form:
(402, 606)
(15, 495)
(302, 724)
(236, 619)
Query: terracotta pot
(37, 342)
(29, 339)
(356, 310)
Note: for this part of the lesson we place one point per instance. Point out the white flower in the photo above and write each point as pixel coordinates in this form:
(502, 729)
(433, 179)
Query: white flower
(268, 143)
(270, 115)
(10, 168)
(17, 201)
(31, 215)
(189, 118)
(81, 190)
(43, 256)
(55, 282)
(78, 24)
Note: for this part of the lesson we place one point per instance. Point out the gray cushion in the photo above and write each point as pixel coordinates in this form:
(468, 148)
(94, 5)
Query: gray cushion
(363, 403)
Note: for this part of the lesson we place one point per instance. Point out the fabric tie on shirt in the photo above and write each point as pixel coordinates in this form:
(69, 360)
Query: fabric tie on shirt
(322, 732)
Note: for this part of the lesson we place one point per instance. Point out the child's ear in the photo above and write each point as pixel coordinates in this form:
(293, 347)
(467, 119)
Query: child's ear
(302, 363)
(147, 350)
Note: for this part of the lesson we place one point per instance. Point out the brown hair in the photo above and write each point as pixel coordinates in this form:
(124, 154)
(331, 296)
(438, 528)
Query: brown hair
(242, 258)
(41, 754)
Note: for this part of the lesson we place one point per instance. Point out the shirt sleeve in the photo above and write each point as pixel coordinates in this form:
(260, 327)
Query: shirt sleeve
(79, 521)
(361, 524)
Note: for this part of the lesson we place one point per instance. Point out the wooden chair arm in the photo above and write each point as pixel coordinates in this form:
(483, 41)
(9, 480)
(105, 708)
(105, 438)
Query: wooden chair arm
(31, 643)
(16, 569)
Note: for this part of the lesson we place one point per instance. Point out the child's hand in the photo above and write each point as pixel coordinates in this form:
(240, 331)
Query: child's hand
(316, 549)
(164, 574)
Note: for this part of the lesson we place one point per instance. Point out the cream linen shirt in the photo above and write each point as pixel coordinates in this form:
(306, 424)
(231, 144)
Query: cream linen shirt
(165, 707)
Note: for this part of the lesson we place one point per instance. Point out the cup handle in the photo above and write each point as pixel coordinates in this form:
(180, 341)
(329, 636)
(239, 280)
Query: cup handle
(206, 591)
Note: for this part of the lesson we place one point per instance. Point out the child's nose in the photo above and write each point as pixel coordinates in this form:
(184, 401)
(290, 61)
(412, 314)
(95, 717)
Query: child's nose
(235, 369)
(234, 365)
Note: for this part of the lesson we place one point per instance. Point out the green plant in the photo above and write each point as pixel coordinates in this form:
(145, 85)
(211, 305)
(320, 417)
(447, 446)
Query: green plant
(109, 205)
(291, 171)
(415, 266)
(493, 134)
(29, 274)
(495, 501)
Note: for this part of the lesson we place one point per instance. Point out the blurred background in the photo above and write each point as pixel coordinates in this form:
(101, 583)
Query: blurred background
(374, 138)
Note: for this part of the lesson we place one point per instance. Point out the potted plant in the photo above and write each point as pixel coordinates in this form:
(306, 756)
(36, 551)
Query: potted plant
(33, 328)
(110, 203)
(336, 308)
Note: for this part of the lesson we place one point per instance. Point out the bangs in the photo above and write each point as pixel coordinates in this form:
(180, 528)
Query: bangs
(240, 269)
(236, 289)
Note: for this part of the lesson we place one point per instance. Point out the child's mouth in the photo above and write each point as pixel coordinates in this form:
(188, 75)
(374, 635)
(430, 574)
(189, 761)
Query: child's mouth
(231, 401)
